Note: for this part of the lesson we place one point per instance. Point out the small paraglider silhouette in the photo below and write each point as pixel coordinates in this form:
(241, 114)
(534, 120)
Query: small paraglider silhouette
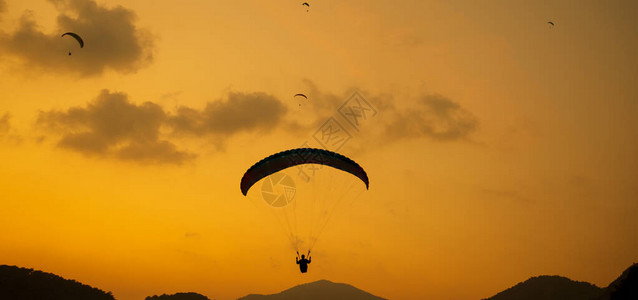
(551, 23)
(76, 37)
(306, 4)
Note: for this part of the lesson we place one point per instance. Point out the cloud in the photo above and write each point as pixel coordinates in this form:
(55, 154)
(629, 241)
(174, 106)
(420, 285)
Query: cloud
(435, 117)
(361, 119)
(112, 126)
(382, 118)
(239, 113)
(112, 41)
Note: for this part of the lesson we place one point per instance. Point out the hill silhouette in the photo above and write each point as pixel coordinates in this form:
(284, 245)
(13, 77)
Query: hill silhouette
(27, 284)
(178, 296)
(322, 289)
(549, 288)
(624, 287)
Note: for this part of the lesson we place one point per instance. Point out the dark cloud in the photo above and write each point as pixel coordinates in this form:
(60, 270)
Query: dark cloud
(434, 116)
(387, 120)
(362, 119)
(240, 112)
(112, 41)
(155, 151)
(112, 126)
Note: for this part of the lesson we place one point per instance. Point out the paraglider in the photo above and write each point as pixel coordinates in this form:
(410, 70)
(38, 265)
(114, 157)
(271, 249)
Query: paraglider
(550, 23)
(304, 207)
(306, 4)
(301, 95)
(76, 37)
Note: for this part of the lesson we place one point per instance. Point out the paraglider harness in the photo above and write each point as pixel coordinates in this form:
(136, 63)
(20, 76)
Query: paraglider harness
(303, 262)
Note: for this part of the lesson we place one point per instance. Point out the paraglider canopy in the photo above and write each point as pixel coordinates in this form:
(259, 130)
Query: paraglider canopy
(76, 37)
(301, 95)
(550, 23)
(290, 158)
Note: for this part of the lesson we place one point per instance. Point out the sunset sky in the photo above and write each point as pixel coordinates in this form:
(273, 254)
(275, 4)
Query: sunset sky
(501, 148)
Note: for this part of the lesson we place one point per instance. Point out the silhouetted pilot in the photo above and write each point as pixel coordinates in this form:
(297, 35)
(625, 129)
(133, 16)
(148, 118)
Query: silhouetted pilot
(303, 262)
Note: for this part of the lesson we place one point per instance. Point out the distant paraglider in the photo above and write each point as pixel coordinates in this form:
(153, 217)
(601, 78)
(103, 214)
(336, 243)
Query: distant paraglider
(307, 5)
(76, 37)
(551, 23)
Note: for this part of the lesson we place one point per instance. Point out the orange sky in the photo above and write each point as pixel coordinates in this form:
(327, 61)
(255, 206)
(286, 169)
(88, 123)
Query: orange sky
(503, 147)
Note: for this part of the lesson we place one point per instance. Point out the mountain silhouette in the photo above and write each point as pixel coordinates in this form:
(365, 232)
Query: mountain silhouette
(549, 288)
(322, 289)
(624, 287)
(27, 284)
(178, 296)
